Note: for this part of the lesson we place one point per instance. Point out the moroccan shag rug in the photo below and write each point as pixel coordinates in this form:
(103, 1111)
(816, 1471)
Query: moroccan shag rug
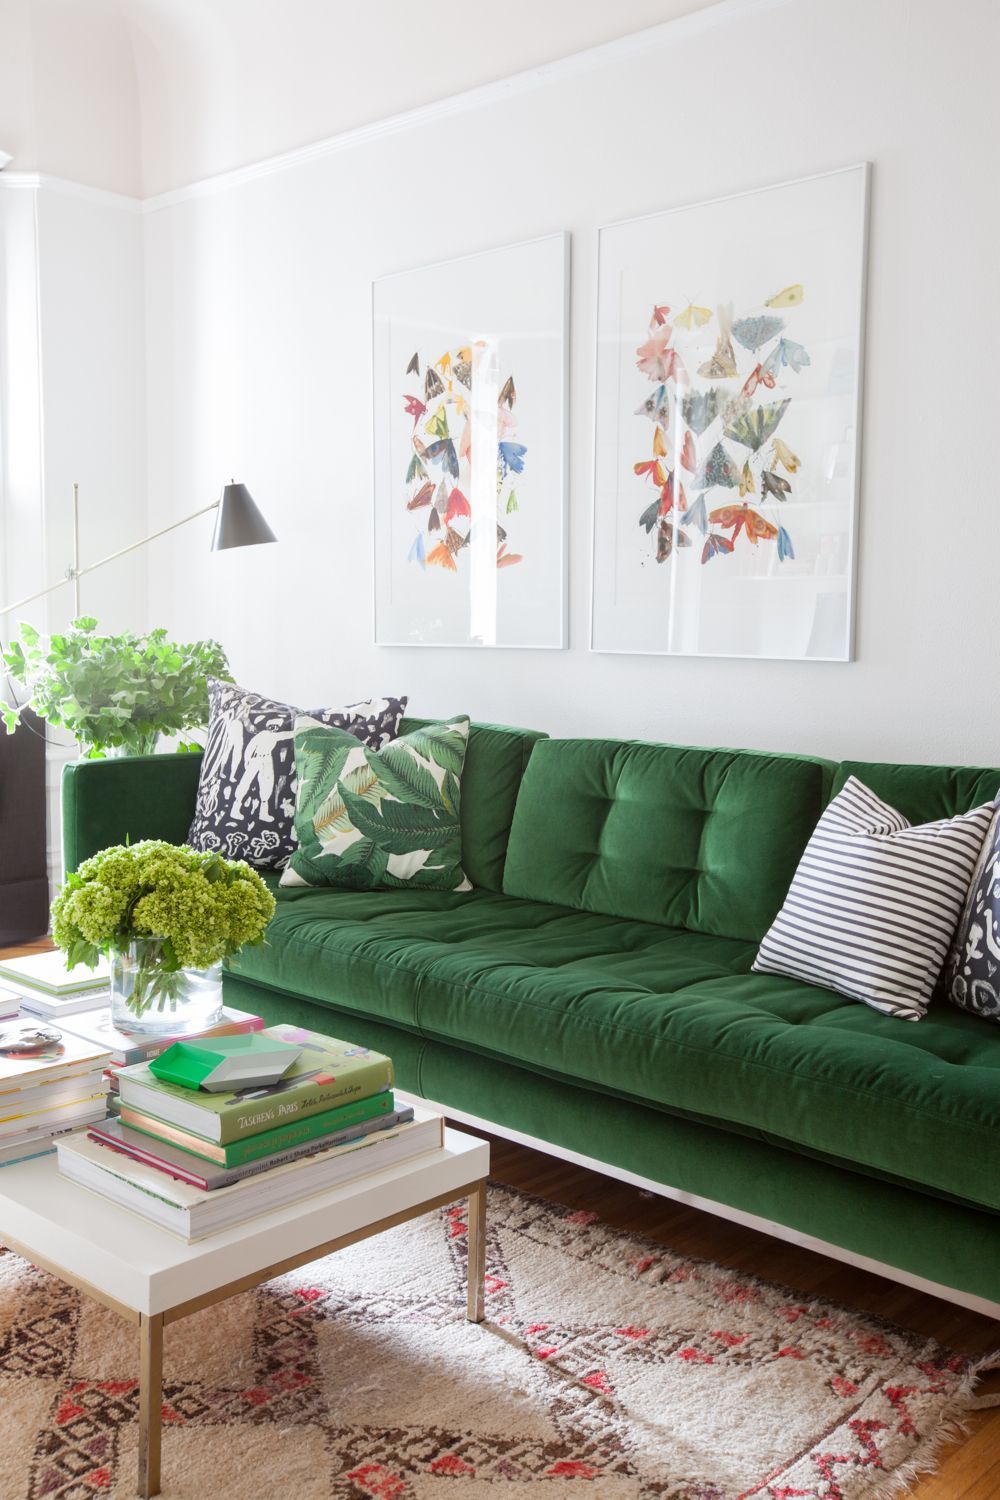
(610, 1369)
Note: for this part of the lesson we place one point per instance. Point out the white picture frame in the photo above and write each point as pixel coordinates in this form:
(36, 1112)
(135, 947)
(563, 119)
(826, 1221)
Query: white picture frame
(469, 360)
(772, 574)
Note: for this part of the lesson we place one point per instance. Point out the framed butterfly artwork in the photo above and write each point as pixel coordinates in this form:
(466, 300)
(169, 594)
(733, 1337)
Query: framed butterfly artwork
(728, 418)
(469, 363)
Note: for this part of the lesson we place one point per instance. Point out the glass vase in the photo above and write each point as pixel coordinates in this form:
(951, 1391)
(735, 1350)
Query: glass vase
(149, 999)
(144, 743)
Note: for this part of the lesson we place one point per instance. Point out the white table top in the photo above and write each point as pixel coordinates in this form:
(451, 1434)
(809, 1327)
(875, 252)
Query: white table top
(150, 1270)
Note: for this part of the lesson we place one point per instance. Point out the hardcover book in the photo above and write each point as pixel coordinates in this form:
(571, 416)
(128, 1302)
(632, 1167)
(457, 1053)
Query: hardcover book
(57, 1008)
(48, 973)
(10, 1004)
(193, 1213)
(62, 1115)
(326, 1073)
(208, 1176)
(42, 1141)
(263, 1142)
(61, 1059)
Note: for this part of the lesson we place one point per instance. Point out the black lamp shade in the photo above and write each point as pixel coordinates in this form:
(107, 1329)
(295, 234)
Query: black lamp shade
(239, 523)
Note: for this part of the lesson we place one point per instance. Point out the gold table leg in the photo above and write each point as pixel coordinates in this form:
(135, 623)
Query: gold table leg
(150, 1402)
(477, 1253)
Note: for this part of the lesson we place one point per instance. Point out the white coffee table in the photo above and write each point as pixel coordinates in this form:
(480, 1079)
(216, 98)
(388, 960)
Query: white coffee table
(153, 1278)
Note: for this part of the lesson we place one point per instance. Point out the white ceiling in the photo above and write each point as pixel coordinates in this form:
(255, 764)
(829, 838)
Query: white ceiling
(177, 90)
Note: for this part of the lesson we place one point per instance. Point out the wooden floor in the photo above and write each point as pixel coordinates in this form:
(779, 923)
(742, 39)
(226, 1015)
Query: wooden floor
(969, 1470)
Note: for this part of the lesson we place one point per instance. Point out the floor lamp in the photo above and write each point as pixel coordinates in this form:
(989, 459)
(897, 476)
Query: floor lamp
(238, 523)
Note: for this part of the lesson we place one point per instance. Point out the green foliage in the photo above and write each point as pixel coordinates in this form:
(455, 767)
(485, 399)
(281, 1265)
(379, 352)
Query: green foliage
(113, 691)
(204, 906)
(404, 777)
(367, 818)
(182, 908)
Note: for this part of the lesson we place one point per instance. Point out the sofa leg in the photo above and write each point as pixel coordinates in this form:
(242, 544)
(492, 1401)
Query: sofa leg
(477, 1253)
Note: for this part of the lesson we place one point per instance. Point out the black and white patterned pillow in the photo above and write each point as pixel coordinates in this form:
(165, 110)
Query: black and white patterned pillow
(246, 789)
(972, 973)
(872, 907)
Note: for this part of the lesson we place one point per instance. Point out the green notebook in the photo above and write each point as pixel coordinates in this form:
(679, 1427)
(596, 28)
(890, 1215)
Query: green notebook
(327, 1073)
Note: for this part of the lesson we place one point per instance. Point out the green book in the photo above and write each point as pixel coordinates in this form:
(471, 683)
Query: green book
(326, 1073)
(265, 1142)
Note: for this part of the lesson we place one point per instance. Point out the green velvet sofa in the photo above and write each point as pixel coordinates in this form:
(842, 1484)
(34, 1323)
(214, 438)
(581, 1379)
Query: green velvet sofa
(593, 993)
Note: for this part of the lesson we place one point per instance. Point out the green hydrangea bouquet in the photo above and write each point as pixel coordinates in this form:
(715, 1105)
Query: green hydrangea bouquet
(163, 913)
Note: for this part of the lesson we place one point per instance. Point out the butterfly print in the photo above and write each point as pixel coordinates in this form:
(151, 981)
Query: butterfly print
(720, 435)
(716, 545)
(667, 537)
(424, 496)
(438, 474)
(753, 332)
(692, 317)
(737, 517)
(790, 297)
(774, 484)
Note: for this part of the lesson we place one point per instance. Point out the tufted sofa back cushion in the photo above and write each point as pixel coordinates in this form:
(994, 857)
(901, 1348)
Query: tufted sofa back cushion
(922, 793)
(494, 764)
(707, 840)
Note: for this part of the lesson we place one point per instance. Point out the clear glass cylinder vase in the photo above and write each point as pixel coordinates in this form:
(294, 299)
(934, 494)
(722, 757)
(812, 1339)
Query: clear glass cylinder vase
(149, 999)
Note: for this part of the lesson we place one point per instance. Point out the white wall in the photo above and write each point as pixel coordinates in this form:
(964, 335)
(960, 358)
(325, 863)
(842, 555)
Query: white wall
(259, 364)
(93, 351)
(22, 521)
(72, 397)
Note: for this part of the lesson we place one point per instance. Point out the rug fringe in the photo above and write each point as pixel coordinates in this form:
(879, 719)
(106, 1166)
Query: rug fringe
(955, 1425)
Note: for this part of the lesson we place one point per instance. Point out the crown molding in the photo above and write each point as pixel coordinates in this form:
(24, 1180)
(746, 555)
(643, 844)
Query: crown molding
(664, 34)
(21, 181)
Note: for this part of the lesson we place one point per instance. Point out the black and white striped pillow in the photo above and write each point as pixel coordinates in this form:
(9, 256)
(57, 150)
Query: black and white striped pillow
(873, 905)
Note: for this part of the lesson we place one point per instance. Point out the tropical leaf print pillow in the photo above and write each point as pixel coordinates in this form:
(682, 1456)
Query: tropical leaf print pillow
(379, 818)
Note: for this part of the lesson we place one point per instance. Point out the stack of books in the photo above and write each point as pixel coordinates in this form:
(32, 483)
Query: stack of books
(45, 987)
(197, 1162)
(48, 1093)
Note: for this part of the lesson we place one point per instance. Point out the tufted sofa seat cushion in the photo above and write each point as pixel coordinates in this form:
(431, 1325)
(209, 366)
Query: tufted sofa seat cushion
(707, 840)
(666, 1017)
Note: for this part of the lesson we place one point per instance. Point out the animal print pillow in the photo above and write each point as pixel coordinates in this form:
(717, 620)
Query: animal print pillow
(246, 789)
(972, 974)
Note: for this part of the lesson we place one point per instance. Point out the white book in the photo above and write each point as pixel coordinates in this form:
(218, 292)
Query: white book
(193, 1212)
(55, 1007)
(40, 1139)
(10, 1004)
(48, 972)
(66, 1112)
(61, 1061)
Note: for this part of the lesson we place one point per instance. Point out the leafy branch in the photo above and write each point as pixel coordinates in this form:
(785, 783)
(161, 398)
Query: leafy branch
(112, 691)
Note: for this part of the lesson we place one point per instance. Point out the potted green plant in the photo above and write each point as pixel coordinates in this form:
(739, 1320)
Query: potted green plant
(166, 915)
(113, 693)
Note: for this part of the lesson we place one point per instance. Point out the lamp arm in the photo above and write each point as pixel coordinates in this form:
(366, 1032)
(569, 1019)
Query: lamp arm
(134, 546)
(8, 609)
(72, 574)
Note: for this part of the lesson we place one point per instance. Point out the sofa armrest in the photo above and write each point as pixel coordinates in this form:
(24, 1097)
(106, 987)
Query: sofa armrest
(129, 798)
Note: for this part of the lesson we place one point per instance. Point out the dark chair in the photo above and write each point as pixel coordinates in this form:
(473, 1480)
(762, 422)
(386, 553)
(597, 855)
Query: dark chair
(24, 878)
